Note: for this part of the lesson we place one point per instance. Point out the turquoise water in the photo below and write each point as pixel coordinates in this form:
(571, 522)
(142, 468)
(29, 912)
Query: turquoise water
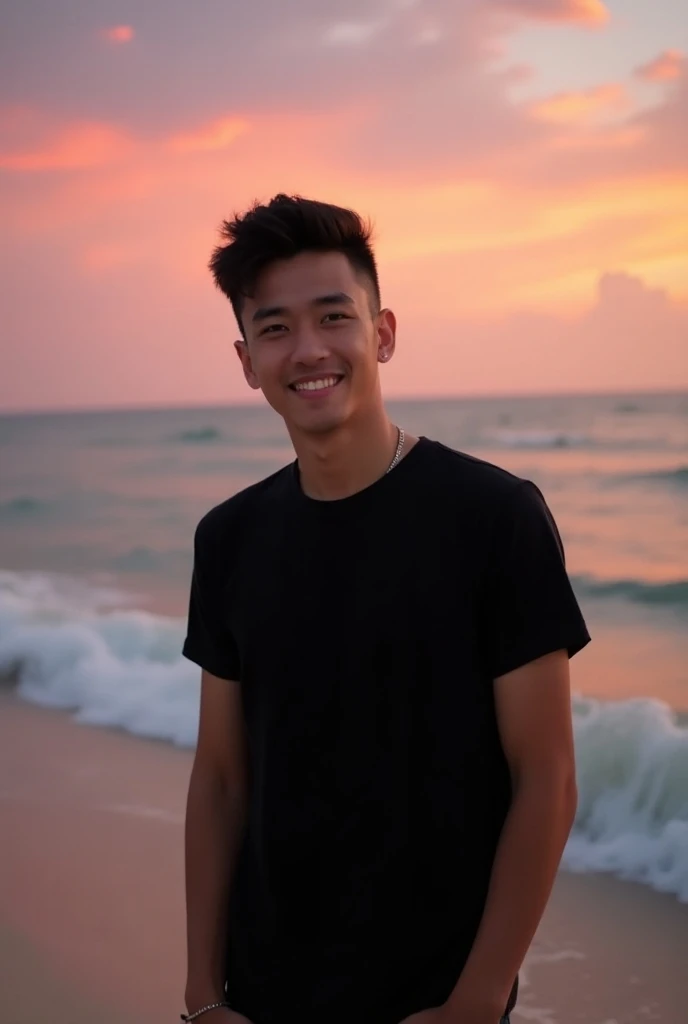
(97, 512)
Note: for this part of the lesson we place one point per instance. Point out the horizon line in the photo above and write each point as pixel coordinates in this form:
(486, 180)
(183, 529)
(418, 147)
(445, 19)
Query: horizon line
(399, 398)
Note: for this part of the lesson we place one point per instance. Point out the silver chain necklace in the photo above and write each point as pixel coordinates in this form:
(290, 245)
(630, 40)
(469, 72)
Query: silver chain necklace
(397, 454)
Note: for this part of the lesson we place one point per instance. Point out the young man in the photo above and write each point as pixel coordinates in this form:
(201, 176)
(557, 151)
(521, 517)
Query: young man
(384, 779)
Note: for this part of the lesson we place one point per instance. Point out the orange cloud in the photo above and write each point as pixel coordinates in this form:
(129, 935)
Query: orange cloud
(216, 136)
(481, 250)
(583, 12)
(669, 66)
(76, 147)
(581, 107)
(119, 34)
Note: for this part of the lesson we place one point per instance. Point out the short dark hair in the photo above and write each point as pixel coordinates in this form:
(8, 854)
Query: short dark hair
(281, 229)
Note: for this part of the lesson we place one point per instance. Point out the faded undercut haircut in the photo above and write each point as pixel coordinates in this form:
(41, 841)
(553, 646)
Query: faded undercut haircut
(281, 229)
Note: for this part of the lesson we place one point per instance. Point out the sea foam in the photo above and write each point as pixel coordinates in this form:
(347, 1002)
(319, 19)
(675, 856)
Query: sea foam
(632, 817)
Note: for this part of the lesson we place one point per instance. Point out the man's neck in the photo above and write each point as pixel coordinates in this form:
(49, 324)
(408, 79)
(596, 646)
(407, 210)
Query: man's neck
(337, 465)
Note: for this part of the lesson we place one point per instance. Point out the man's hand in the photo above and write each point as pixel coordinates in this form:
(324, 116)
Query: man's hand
(438, 1015)
(454, 1013)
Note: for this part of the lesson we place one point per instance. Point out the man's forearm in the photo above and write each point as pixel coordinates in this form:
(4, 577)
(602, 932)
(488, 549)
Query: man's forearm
(215, 819)
(526, 863)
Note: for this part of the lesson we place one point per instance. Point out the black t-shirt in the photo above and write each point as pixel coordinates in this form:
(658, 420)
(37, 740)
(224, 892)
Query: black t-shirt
(365, 634)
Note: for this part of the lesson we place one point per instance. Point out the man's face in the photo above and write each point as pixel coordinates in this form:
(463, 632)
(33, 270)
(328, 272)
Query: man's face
(313, 343)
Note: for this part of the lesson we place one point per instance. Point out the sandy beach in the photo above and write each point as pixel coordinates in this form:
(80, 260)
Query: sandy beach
(91, 896)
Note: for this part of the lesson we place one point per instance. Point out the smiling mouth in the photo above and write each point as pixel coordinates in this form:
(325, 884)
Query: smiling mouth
(317, 384)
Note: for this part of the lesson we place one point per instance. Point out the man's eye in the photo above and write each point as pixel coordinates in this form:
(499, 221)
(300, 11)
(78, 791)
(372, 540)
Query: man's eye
(272, 328)
(335, 316)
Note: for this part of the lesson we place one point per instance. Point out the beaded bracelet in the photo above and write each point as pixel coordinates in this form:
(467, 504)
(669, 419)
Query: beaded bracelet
(204, 1009)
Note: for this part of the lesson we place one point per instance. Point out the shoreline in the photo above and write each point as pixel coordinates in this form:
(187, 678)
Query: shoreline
(92, 900)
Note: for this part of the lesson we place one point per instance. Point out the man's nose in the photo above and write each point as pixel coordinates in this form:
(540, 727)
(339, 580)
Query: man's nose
(310, 345)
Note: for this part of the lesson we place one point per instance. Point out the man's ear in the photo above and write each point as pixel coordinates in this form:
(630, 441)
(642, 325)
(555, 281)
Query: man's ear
(241, 349)
(386, 335)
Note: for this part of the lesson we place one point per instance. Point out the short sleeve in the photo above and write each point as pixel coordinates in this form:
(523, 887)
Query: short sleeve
(209, 642)
(530, 608)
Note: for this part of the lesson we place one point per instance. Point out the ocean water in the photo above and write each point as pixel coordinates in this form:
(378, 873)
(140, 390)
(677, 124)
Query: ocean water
(97, 513)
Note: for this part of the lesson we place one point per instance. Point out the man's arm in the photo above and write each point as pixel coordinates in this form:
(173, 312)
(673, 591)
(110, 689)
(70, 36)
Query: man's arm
(215, 819)
(534, 717)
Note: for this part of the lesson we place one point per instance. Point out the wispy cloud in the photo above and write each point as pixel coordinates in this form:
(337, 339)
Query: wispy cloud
(70, 148)
(584, 106)
(89, 146)
(581, 12)
(216, 136)
(667, 67)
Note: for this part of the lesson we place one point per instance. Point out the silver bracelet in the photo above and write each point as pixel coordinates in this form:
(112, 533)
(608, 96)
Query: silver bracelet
(204, 1009)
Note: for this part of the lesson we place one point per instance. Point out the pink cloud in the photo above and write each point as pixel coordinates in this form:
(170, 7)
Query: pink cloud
(217, 136)
(70, 148)
(119, 34)
(667, 67)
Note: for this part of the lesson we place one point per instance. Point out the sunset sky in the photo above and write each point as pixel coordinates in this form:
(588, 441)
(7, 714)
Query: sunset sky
(525, 163)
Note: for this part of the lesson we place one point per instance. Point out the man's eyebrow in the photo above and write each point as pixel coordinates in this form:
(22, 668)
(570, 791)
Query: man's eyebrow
(331, 299)
(265, 312)
(334, 299)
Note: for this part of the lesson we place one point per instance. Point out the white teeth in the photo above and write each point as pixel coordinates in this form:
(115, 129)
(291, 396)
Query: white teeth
(316, 385)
